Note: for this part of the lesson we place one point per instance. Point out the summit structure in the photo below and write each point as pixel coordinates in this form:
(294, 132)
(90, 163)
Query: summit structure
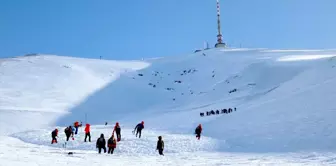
(219, 35)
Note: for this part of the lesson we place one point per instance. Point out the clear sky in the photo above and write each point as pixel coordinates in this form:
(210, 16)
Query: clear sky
(121, 29)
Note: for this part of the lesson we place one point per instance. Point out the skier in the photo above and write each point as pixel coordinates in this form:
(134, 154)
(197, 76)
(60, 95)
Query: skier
(138, 128)
(87, 132)
(101, 144)
(54, 134)
(76, 125)
(68, 132)
(112, 144)
(117, 130)
(160, 146)
(198, 131)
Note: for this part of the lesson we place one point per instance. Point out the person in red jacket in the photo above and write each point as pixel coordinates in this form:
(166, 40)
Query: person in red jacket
(87, 132)
(198, 131)
(112, 144)
(118, 131)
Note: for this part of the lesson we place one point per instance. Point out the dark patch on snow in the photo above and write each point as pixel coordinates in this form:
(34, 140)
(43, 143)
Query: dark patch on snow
(233, 90)
(218, 111)
(170, 88)
(32, 54)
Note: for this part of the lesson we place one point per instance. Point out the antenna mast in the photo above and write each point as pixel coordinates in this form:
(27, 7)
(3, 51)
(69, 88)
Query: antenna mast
(219, 35)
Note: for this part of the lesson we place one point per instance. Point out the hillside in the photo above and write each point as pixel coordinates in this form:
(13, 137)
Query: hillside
(278, 98)
(48, 86)
(283, 100)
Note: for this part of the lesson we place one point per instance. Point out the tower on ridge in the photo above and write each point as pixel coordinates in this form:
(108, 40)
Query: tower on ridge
(219, 35)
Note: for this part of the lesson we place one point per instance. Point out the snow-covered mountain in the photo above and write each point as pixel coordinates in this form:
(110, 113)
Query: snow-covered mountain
(283, 99)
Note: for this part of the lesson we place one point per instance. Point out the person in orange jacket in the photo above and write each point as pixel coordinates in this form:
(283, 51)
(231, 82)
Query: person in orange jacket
(112, 144)
(198, 131)
(117, 129)
(87, 132)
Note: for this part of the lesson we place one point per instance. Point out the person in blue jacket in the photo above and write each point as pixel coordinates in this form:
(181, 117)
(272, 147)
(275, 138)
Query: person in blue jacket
(138, 128)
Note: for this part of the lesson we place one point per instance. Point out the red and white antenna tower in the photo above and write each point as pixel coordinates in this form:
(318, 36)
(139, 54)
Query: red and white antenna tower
(219, 36)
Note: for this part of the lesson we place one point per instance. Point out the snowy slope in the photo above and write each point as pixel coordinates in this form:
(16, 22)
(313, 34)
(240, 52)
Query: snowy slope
(278, 98)
(283, 99)
(46, 86)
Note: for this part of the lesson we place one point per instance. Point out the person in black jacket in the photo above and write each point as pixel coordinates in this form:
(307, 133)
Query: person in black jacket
(160, 146)
(101, 143)
(68, 132)
(198, 131)
(138, 128)
(54, 135)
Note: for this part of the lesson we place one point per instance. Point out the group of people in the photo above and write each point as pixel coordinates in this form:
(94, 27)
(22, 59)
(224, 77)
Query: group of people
(70, 131)
(214, 112)
(112, 142)
(101, 144)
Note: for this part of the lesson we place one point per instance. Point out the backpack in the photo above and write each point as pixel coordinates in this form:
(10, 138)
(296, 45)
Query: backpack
(160, 144)
(140, 126)
(197, 130)
(101, 141)
(67, 130)
(110, 141)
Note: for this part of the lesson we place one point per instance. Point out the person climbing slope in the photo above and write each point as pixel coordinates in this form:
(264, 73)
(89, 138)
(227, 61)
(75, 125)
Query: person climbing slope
(101, 144)
(54, 134)
(87, 132)
(160, 145)
(68, 132)
(139, 128)
(117, 129)
(112, 144)
(76, 125)
(198, 131)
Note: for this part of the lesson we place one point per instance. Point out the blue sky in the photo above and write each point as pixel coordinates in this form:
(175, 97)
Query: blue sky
(150, 28)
